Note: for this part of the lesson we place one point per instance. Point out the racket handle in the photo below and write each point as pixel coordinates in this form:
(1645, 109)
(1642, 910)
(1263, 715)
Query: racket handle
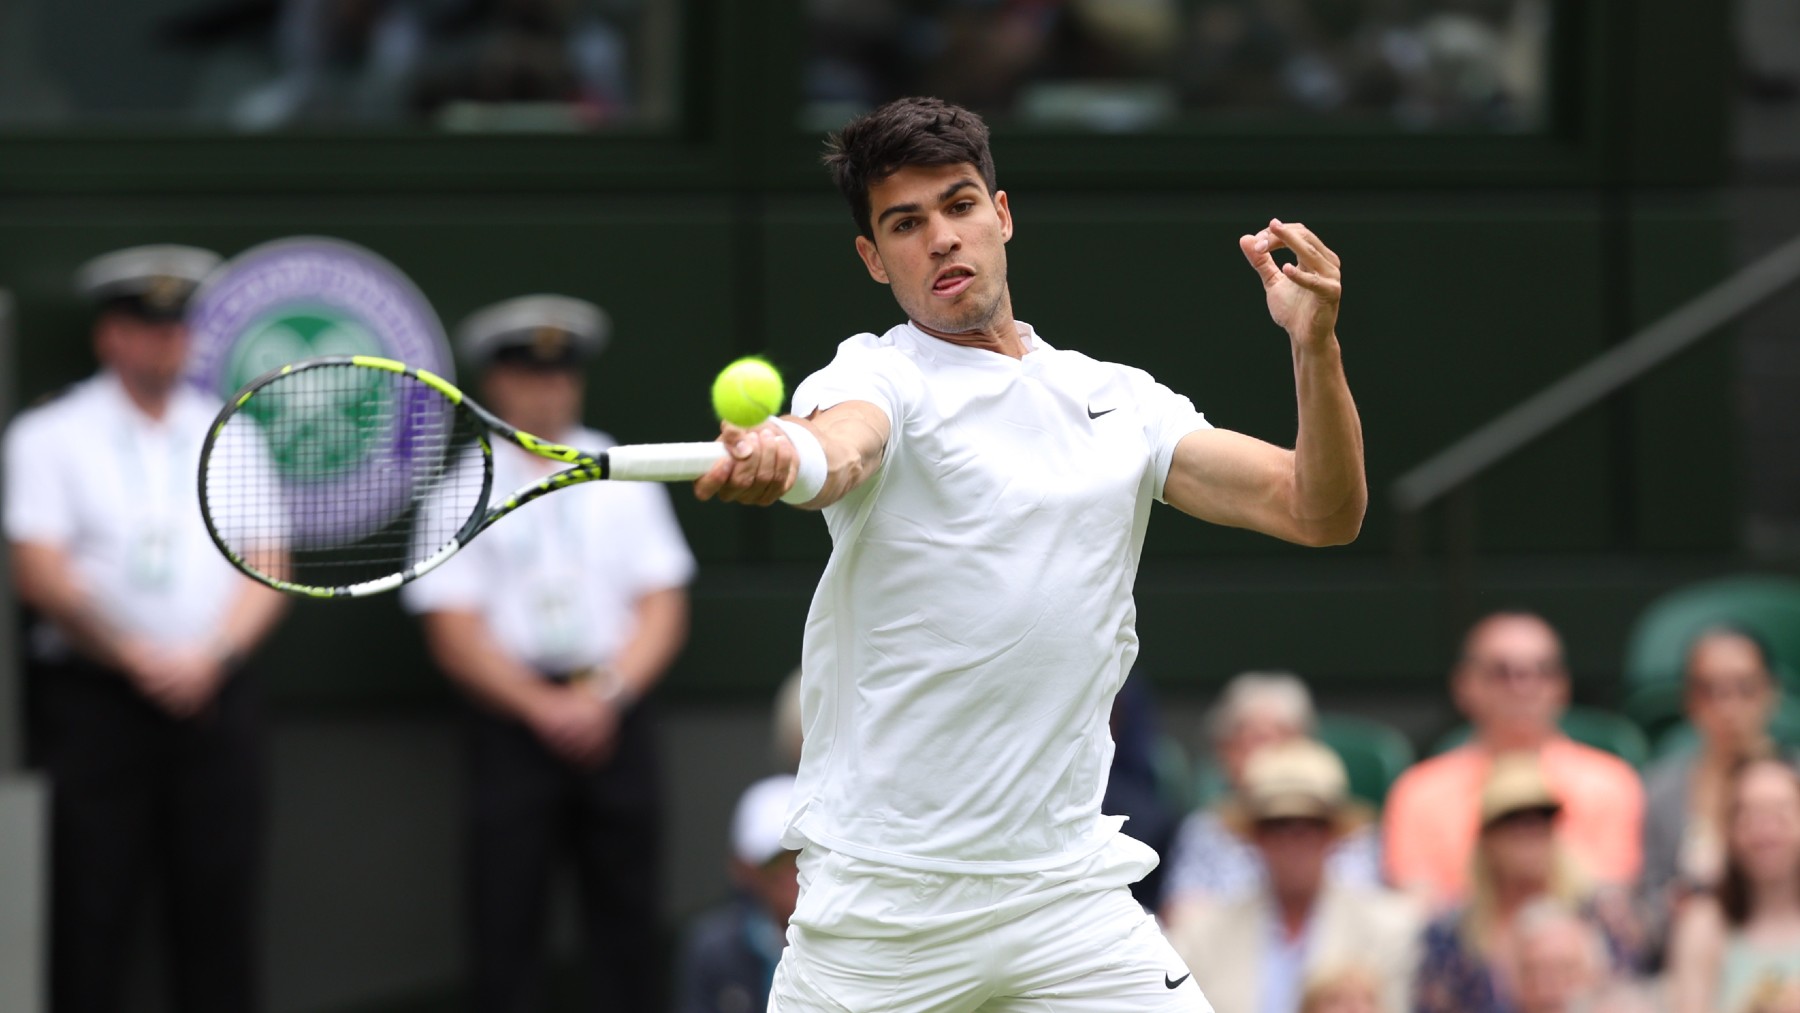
(663, 462)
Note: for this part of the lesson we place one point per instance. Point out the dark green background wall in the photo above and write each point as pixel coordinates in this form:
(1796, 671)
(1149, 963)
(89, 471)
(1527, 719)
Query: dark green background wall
(1478, 269)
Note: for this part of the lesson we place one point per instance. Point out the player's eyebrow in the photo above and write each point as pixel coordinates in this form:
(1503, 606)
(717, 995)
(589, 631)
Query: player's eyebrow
(907, 209)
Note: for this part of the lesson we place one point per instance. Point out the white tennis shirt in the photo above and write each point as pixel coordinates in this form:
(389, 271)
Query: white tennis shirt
(975, 618)
(558, 582)
(91, 474)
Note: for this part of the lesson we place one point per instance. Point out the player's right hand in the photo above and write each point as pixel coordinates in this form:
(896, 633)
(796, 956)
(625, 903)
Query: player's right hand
(761, 465)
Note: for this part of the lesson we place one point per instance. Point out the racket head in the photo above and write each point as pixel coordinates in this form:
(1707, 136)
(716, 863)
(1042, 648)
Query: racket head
(344, 476)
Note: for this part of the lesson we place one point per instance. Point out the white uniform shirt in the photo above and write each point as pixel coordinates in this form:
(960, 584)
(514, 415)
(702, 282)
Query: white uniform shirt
(976, 619)
(558, 581)
(92, 475)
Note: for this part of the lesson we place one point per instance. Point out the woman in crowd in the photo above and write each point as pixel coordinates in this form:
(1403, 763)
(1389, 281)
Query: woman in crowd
(1727, 946)
(1731, 697)
(1467, 967)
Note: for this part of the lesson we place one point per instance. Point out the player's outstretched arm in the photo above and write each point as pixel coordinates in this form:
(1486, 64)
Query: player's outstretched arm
(764, 463)
(1315, 494)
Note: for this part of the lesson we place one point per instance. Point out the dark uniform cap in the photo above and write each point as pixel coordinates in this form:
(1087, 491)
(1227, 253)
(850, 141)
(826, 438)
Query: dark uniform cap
(152, 282)
(539, 330)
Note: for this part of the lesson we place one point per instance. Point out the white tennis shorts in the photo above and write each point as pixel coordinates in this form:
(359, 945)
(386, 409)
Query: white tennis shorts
(873, 938)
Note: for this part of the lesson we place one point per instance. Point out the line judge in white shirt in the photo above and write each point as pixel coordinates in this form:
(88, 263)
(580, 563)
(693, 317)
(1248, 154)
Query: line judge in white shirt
(555, 626)
(987, 496)
(150, 734)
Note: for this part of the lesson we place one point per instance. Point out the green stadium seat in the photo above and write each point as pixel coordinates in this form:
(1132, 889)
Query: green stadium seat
(1374, 754)
(1601, 729)
(1768, 606)
(1174, 775)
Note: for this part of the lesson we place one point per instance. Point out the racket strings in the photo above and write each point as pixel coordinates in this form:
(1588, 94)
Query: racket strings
(339, 474)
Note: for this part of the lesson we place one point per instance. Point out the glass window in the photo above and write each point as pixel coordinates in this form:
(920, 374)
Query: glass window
(1130, 65)
(268, 65)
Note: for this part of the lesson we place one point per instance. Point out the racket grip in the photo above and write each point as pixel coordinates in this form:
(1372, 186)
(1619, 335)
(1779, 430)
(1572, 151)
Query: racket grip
(663, 462)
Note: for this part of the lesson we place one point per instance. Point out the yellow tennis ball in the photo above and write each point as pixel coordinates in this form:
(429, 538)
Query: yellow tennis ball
(747, 392)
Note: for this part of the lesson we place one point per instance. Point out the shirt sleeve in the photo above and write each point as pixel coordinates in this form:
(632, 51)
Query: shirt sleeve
(662, 559)
(1167, 417)
(861, 371)
(37, 497)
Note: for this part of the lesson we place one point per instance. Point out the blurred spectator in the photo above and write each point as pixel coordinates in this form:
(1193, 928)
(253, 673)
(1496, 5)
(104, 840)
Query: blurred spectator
(1209, 861)
(1126, 64)
(1732, 696)
(1512, 685)
(1350, 988)
(729, 959)
(312, 63)
(152, 737)
(1133, 787)
(1252, 952)
(503, 52)
(1471, 953)
(1727, 946)
(1621, 996)
(556, 628)
(1776, 995)
(1562, 958)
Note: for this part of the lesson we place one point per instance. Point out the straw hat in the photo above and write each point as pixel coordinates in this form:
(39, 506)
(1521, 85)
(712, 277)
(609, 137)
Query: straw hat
(1298, 779)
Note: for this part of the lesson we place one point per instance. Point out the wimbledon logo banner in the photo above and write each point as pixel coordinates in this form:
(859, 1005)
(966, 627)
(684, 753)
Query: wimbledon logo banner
(294, 299)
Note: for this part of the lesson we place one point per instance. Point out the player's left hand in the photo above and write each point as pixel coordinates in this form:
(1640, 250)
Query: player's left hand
(1303, 296)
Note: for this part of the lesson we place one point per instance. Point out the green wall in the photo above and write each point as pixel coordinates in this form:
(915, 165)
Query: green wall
(1477, 269)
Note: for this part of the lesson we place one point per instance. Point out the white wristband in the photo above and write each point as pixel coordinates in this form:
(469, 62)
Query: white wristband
(813, 469)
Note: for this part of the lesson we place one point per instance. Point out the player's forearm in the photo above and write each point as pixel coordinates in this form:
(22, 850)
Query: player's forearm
(662, 625)
(854, 437)
(46, 581)
(466, 651)
(1331, 492)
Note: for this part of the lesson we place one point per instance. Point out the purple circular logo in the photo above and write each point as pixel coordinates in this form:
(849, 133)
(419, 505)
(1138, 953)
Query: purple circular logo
(295, 299)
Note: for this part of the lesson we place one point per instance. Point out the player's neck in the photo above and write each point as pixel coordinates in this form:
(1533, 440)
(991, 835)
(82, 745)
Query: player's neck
(1000, 334)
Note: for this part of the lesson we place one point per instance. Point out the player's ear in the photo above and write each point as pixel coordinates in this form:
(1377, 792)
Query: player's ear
(1003, 208)
(871, 258)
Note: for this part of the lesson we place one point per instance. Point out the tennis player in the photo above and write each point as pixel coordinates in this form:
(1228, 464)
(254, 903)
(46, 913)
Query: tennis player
(987, 495)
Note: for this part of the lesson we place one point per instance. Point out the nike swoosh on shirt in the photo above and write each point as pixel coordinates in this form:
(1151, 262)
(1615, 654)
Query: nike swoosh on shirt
(1173, 984)
(1092, 414)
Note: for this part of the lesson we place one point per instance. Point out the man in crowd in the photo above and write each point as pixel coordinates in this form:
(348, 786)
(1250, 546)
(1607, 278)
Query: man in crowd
(556, 626)
(1209, 860)
(1512, 684)
(1252, 952)
(150, 731)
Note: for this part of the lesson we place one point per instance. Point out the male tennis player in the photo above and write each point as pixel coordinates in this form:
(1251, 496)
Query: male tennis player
(987, 495)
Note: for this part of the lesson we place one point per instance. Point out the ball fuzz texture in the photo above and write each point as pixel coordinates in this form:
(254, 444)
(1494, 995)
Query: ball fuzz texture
(747, 392)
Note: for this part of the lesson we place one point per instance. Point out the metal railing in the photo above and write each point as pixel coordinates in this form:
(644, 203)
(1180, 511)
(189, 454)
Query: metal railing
(1448, 473)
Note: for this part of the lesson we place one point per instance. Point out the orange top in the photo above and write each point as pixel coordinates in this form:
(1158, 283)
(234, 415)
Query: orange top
(1433, 816)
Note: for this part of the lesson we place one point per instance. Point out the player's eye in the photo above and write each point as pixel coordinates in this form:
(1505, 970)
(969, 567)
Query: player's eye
(905, 224)
(962, 207)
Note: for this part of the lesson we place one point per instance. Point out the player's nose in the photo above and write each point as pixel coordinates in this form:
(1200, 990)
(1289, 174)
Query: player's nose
(944, 238)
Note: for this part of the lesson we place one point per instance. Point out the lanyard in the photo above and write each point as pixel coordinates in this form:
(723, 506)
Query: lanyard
(150, 470)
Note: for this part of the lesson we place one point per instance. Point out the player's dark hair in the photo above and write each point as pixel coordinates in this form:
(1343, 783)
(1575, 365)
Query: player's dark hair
(905, 132)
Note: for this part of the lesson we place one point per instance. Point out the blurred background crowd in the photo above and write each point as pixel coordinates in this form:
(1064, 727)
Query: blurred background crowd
(1556, 776)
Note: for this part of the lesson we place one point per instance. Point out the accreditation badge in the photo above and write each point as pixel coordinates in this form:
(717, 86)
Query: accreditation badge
(150, 562)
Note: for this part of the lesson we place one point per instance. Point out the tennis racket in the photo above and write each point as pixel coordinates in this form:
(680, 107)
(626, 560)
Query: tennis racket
(348, 476)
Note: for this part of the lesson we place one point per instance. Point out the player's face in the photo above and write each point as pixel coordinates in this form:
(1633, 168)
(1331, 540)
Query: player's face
(940, 244)
(145, 353)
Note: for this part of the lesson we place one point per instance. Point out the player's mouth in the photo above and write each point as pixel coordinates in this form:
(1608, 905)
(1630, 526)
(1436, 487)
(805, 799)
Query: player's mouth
(952, 281)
